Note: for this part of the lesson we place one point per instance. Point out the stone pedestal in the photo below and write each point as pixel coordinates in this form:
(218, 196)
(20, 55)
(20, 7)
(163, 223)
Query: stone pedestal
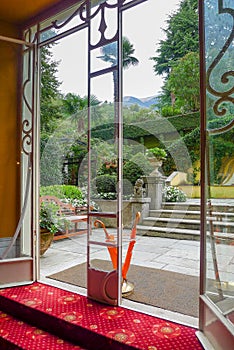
(154, 188)
(142, 205)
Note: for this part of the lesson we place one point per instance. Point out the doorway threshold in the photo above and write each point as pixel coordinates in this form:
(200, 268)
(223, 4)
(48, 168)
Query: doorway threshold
(168, 315)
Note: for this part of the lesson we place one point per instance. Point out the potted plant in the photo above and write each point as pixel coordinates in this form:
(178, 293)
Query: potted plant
(156, 156)
(156, 152)
(50, 224)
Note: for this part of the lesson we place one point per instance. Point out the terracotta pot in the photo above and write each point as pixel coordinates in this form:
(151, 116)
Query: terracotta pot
(46, 238)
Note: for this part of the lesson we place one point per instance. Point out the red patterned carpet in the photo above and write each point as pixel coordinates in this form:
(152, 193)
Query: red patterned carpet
(15, 334)
(83, 322)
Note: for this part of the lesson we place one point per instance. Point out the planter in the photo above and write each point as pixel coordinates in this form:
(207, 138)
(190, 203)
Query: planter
(46, 238)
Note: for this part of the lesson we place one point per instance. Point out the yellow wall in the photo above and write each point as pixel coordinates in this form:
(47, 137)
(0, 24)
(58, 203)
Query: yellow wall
(215, 191)
(9, 132)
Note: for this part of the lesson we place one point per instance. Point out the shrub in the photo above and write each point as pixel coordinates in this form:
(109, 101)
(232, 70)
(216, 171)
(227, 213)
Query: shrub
(61, 191)
(127, 187)
(132, 171)
(105, 183)
(173, 194)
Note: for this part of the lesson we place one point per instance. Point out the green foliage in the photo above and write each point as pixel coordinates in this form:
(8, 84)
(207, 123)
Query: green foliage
(134, 168)
(61, 191)
(50, 102)
(132, 171)
(105, 183)
(181, 37)
(142, 162)
(109, 54)
(49, 219)
(221, 146)
(218, 150)
(169, 111)
(157, 126)
(183, 81)
(157, 152)
(127, 186)
(173, 194)
(76, 107)
(220, 122)
(137, 128)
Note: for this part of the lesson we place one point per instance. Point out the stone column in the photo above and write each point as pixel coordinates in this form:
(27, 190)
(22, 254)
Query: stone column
(155, 185)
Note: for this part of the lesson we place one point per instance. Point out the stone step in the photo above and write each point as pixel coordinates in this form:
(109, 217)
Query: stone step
(172, 222)
(181, 206)
(219, 226)
(227, 208)
(192, 214)
(181, 220)
(179, 233)
(168, 232)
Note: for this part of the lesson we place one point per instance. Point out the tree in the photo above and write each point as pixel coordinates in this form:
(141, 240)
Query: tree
(50, 107)
(183, 81)
(77, 106)
(110, 54)
(181, 37)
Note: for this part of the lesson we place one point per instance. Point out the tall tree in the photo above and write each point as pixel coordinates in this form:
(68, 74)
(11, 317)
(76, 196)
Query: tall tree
(183, 81)
(50, 98)
(181, 37)
(110, 54)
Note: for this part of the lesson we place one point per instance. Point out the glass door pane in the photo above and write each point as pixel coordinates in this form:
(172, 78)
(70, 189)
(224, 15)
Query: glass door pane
(17, 251)
(105, 156)
(217, 301)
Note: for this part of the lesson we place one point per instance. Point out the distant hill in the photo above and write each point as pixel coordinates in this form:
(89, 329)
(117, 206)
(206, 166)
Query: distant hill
(145, 102)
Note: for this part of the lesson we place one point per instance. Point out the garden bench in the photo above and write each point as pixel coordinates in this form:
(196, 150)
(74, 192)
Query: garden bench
(70, 213)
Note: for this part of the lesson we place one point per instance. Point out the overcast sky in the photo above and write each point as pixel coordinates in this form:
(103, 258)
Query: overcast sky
(142, 26)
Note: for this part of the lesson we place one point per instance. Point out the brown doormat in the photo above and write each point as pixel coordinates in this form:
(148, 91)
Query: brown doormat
(164, 289)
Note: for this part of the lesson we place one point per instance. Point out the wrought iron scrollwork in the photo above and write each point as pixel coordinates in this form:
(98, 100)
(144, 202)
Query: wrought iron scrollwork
(27, 136)
(222, 96)
(79, 11)
(27, 98)
(103, 26)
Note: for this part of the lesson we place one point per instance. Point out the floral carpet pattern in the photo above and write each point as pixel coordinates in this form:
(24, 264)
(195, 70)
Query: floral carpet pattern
(99, 325)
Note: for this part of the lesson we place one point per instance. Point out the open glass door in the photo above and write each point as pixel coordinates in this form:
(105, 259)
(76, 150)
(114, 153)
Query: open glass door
(217, 126)
(105, 84)
(17, 248)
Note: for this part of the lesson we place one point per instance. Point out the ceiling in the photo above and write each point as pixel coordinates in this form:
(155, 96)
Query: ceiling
(19, 11)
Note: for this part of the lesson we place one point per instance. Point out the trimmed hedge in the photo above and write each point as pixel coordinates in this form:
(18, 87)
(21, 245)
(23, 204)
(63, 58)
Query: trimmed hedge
(160, 125)
(61, 191)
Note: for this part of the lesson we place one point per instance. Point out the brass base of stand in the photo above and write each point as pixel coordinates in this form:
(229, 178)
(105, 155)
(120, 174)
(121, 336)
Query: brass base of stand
(127, 288)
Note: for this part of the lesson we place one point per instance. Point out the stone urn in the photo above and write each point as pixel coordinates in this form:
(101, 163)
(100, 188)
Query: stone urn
(156, 163)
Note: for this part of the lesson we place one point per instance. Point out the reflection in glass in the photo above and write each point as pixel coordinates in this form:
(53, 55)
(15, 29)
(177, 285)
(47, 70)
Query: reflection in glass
(102, 88)
(62, 22)
(220, 157)
(104, 57)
